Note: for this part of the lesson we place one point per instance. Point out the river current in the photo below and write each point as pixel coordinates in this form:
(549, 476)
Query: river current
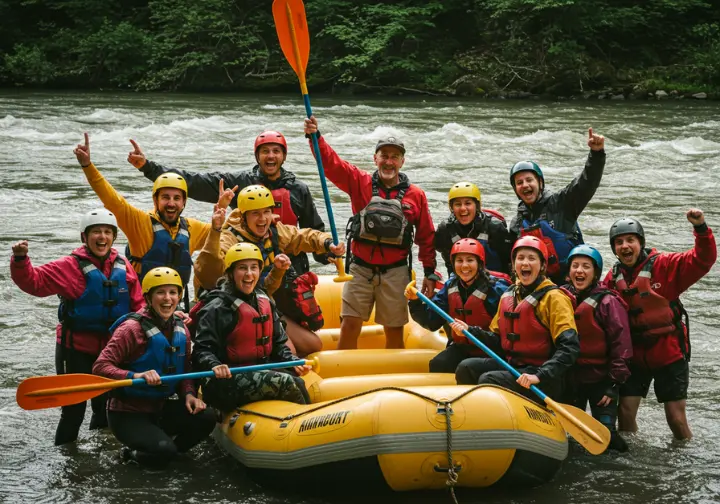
(662, 158)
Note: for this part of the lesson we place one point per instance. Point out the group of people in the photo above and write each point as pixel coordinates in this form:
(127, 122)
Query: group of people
(531, 291)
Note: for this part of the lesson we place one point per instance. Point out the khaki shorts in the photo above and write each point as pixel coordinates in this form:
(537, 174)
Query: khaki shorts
(384, 290)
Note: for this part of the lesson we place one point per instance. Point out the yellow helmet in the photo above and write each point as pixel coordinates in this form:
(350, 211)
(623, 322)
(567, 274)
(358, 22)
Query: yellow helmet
(464, 190)
(241, 251)
(254, 197)
(161, 276)
(169, 180)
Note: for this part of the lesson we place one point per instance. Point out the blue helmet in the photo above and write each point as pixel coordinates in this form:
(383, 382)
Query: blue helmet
(526, 166)
(587, 250)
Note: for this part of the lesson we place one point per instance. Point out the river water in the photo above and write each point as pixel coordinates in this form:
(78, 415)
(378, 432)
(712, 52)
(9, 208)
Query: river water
(663, 158)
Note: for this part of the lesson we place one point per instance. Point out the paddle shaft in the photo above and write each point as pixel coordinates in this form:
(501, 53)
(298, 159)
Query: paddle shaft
(479, 343)
(557, 407)
(314, 136)
(130, 382)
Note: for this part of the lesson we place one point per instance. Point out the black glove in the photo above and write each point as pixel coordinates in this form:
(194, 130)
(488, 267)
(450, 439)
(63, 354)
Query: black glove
(612, 391)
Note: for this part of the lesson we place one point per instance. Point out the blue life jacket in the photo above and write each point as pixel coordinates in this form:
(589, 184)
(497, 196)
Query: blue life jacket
(559, 244)
(160, 355)
(101, 303)
(165, 251)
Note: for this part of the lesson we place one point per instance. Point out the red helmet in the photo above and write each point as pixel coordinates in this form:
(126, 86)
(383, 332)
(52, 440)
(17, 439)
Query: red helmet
(268, 137)
(533, 243)
(468, 246)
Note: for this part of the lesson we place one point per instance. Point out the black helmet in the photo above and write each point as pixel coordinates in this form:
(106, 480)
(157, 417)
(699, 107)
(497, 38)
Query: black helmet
(626, 225)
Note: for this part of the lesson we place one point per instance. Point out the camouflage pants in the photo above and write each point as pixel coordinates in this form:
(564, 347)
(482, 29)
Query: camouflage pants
(244, 388)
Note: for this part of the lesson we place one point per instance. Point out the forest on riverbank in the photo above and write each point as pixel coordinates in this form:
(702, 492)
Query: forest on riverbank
(466, 47)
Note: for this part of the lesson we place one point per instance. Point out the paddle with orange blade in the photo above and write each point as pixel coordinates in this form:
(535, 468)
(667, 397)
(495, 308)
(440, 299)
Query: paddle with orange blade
(292, 30)
(586, 430)
(42, 392)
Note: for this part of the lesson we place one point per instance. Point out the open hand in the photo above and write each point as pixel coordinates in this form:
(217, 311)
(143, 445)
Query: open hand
(20, 249)
(595, 142)
(82, 152)
(136, 157)
(695, 216)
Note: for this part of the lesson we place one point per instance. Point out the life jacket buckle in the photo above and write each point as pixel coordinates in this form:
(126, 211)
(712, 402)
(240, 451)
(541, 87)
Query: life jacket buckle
(260, 319)
(511, 315)
(513, 337)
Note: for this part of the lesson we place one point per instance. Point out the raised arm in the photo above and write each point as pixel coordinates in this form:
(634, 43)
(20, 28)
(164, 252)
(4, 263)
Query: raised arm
(201, 186)
(578, 193)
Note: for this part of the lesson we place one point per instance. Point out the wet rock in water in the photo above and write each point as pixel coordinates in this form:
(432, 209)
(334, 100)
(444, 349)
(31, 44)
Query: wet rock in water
(618, 97)
(700, 96)
(660, 94)
(601, 96)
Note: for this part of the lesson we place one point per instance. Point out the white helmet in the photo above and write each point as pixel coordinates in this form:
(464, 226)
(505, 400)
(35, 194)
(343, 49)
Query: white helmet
(98, 217)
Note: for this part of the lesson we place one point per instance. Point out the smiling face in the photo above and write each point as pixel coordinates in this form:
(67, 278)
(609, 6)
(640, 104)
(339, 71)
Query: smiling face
(464, 210)
(389, 160)
(169, 204)
(246, 274)
(258, 221)
(582, 272)
(99, 239)
(466, 266)
(527, 264)
(270, 158)
(164, 300)
(627, 248)
(527, 187)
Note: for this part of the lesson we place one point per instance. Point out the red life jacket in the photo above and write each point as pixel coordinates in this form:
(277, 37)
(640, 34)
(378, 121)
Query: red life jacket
(283, 208)
(525, 340)
(250, 342)
(296, 299)
(472, 312)
(593, 340)
(651, 315)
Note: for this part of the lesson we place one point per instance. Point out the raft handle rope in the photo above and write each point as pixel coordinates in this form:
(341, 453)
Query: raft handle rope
(443, 407)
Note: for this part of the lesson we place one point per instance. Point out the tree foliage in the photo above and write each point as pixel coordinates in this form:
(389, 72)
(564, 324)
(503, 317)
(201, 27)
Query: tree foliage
(535, 45)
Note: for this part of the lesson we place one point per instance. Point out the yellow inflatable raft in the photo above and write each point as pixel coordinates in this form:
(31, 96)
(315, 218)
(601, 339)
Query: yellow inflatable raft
(366, 431)
(329, 297)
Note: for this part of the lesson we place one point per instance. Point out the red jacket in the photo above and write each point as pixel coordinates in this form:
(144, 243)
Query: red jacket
(63, 277)
(358, 185)
(672, 274)
(127, 344)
